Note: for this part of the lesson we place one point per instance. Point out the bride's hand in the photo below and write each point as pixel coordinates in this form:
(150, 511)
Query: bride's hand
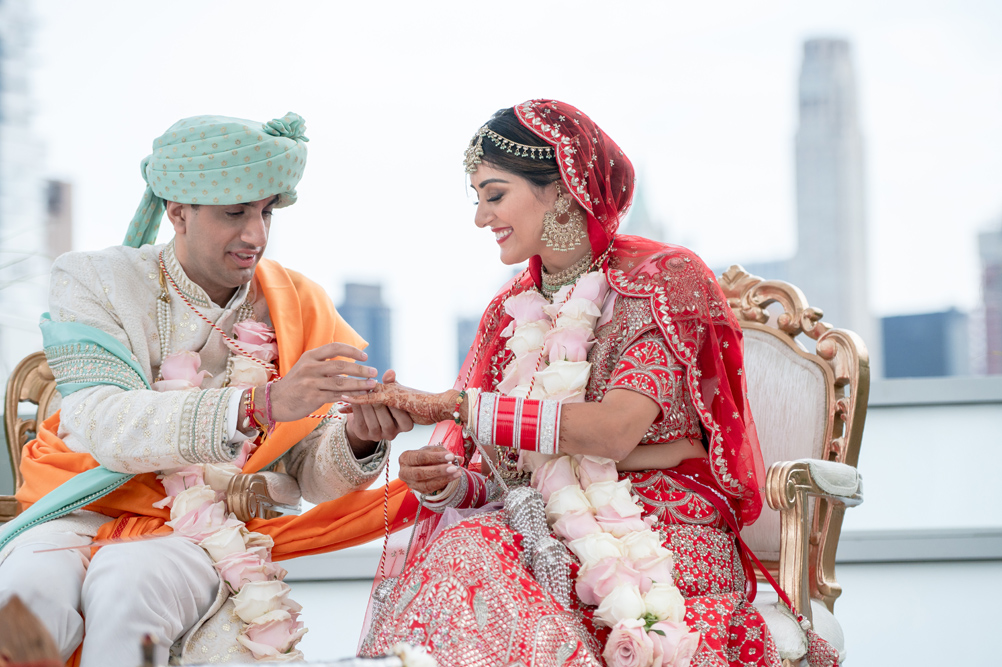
(424, 408)
(429, 469)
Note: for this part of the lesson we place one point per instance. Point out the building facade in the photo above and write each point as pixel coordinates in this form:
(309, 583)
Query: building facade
(990, 250)
(364, 310)
(831, 264)
(24, 257)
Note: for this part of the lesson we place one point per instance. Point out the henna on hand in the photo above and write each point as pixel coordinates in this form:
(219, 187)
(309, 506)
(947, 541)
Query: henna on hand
(424, 408)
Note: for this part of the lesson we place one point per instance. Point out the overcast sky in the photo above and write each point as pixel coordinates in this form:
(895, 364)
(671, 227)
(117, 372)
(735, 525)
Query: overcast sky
(701, 96)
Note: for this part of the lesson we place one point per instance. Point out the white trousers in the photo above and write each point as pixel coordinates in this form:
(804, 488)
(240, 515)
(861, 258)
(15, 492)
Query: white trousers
(161, 587)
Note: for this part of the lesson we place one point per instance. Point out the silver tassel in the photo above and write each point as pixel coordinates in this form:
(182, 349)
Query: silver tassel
(526, 514)
(547, 557)
(551, 563)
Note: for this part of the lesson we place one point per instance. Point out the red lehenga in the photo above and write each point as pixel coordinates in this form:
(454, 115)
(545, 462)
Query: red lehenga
(468, 596)
(466, 593)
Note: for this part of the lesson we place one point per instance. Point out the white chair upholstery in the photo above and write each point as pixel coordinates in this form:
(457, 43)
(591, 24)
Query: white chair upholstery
(787, 397)
(809, 409)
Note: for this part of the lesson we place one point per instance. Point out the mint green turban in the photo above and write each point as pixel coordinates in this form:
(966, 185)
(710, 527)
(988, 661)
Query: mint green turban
(218, 160)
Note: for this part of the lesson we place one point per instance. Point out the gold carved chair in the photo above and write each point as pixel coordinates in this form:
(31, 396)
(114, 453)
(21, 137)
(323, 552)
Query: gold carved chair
(809, 407)
(248, 495)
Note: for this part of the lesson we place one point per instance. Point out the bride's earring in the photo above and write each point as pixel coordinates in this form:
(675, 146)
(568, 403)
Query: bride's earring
(563, 228)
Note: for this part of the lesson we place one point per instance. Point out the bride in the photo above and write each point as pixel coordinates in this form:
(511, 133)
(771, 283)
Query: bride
(603, 404)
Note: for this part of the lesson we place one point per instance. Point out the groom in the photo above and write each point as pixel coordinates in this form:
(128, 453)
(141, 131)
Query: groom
(141, 341)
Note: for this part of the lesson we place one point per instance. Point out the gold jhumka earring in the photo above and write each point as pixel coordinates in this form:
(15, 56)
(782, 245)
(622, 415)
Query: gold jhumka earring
(563, 228)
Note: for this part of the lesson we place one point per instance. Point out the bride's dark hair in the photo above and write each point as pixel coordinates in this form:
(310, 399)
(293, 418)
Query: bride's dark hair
(536, 171)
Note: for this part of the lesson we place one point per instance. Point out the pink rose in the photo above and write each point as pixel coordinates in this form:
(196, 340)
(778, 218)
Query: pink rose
(628, 645)
(554, 475)
(177, 481)
(203, 521)
(180, 371)
(243, 567)
(592, 286)
(568, 344)
(578, 523)
(257, 338)
(246, 449)
(655, 570)
(593, 469)
(596, 582)
(518, 372)
(612, 521)
(272, 634)
(674, 645)
(526, 307)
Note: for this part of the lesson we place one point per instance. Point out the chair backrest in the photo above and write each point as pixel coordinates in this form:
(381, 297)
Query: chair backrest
(806, 404)
(31, 382)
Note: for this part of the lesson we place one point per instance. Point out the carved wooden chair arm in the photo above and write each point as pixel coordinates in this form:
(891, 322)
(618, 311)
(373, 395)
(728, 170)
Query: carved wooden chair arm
(262, 494)
(8, 508)
(789, 487)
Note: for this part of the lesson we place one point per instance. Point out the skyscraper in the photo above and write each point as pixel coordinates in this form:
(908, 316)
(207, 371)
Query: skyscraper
(831, 261)
(990, 249)
(24, 260)
(364, 310)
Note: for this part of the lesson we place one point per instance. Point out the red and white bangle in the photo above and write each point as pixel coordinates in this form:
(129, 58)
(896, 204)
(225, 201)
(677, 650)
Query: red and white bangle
(520, 423)
(470, 490)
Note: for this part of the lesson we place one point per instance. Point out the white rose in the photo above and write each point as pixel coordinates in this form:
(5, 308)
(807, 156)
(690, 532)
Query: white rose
(247, 372)
(563, 381)
(665, 602)
(218, 475)
(643, 544)
(528, 337)
(578, 312)
(224, 542)
(567, 499)
(253, 540)
(604, 493)
(624, 601)
(257, 598)
(191, 499)
(593, 547)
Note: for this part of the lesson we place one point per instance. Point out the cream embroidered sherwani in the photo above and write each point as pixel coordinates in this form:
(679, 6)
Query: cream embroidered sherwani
(135, 431)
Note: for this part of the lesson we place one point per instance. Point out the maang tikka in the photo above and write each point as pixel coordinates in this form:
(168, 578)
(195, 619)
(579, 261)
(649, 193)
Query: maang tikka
(567, 235)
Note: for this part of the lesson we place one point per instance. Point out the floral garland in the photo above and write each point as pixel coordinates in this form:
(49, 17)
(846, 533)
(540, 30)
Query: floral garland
(625, 570)
(196, 496)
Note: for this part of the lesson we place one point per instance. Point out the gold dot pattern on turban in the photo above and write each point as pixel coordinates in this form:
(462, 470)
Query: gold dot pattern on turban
(218, 160)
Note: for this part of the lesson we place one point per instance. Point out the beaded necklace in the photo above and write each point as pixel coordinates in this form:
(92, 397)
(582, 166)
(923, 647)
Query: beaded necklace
(554, 282)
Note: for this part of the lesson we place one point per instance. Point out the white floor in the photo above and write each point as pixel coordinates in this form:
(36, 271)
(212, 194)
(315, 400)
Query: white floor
(916, 614)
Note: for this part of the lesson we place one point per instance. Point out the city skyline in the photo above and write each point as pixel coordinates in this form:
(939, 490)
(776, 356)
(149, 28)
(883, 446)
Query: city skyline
(704, 103)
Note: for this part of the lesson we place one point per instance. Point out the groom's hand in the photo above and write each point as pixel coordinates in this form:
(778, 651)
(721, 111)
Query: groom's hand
(368, 424)
(429, 469)
(319, 378)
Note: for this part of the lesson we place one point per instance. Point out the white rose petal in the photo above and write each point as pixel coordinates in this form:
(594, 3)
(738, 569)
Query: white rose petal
(224, 542)
(643, 544)
(218, 475)
(593, 547)
(257, 598)
(254, 540)
(623, 602)
(563, 379)
(245, 371)
(567, 499)
(665, 602)
(578, 312)
(528, 337)
(191, 499)
(603, 493)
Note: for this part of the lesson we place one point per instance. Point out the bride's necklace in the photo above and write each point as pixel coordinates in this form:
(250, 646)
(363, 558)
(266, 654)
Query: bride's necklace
(554, 282)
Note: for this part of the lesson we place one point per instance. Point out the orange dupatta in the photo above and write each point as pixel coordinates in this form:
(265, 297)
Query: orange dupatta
(304, 319)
